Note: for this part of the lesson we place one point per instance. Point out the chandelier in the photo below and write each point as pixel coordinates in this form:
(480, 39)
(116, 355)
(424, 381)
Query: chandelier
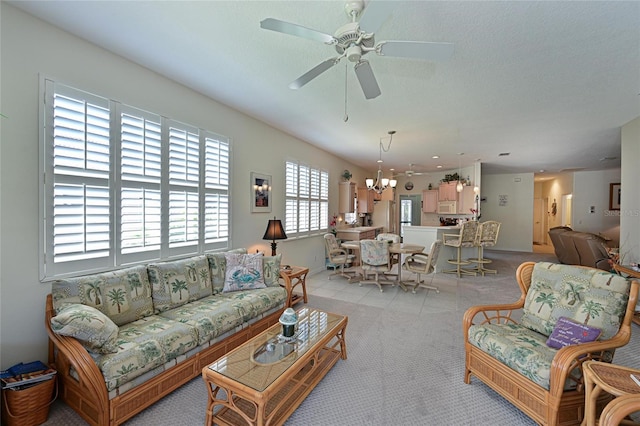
(381, 182)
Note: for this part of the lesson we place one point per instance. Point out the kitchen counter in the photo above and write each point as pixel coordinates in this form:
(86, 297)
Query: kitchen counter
(359, 233)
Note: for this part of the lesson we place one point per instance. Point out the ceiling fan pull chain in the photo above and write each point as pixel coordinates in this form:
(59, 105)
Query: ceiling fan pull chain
(346, 116)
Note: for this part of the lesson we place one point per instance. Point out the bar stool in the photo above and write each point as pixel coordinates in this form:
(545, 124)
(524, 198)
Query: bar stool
(487, 237)
(466, 238)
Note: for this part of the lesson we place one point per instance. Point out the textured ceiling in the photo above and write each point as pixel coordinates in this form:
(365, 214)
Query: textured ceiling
(549, 82)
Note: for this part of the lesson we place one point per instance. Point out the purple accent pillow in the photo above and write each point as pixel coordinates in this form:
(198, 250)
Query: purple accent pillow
(568, 332)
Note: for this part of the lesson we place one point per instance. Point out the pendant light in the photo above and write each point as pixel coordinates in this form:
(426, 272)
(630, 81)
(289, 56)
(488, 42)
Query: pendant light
(381, 183)
(459, 187)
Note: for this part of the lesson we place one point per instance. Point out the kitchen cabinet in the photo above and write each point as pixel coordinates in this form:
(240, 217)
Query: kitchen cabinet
(365, 200)
(430, 200)
(346, 197)
(447, 191)
(466, 200)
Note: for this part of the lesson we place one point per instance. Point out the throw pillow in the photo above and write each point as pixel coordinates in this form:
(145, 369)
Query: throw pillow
(243, 272)
(567, 332)
(93, 329)
(271, 270)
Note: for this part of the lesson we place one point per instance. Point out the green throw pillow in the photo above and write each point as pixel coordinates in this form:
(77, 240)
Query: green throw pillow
(93, 329)
(271, 270)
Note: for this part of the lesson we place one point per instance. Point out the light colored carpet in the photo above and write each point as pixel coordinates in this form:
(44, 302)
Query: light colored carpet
(405, 359)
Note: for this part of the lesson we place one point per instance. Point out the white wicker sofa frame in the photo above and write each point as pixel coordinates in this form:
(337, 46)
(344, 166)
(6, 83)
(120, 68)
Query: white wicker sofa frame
(555, 405)
(82, 384)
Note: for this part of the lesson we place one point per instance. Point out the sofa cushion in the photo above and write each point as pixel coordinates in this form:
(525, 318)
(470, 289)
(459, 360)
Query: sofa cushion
(243, 272)
(518, 347)
(123, 295)
(95, 331)
(588, 296)
(215, 315)
(144, 345)
(178, 282)
(567, 332)
(218, 266)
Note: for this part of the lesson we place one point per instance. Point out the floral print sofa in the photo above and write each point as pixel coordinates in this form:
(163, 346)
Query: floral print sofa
(513, 347)
(123, 339)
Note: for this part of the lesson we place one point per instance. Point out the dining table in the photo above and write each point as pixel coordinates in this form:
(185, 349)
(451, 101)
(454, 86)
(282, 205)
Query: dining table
(398, 249)
(354, 248)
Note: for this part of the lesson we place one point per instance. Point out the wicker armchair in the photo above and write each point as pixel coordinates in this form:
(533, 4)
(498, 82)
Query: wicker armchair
(561, 401)
(618, 409)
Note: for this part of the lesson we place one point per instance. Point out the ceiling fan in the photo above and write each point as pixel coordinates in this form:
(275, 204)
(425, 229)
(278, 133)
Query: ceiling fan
(411, 172)
(357, 38)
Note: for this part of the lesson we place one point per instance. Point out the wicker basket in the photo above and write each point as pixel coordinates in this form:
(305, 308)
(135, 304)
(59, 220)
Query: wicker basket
(29, 406)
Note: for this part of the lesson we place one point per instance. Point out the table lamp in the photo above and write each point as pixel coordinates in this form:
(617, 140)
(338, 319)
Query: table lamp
(274, 232)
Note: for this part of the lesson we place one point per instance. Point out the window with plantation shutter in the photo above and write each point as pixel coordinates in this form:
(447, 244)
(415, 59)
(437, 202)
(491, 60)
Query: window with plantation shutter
(123, 185)
(140, 183)
(307, 199)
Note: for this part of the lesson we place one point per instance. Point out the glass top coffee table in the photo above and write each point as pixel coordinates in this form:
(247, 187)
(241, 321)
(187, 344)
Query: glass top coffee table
(265, 379)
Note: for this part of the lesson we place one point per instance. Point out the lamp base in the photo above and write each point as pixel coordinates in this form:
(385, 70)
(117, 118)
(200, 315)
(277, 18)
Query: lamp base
(273, 248)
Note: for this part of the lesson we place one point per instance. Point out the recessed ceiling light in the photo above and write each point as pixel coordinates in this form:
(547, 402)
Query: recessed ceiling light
(435, 157)
(541, 170)
(503, 154)
(438, 166)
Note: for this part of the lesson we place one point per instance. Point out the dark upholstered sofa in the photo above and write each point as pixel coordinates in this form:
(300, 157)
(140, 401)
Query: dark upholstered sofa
(579, 248)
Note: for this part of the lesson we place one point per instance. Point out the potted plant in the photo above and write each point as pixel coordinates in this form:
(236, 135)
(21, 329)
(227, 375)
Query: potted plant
(346, 175)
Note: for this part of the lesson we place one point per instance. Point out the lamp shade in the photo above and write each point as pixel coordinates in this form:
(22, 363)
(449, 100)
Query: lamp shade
(274, 232)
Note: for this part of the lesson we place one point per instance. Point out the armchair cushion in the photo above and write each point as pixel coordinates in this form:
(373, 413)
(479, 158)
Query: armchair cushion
(585, 295)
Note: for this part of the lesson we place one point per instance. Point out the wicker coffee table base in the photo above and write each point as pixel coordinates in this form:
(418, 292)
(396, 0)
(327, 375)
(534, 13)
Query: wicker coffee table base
(231, 403)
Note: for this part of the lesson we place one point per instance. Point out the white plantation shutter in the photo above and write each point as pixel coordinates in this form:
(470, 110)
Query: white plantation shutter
(216, 190)
(78, 217)
(184, 185)
(307, 199)
(122, 185)
(140, 173)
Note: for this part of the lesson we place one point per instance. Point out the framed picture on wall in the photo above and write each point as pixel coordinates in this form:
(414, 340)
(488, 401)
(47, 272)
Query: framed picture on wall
(614, 196)
(260, 193)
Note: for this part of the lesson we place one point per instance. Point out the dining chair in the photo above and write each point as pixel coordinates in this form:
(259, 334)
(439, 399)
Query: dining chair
(465, 238)
(338, 256)
(487, 236)
(375, 259)
(422, 264)
(393, 238)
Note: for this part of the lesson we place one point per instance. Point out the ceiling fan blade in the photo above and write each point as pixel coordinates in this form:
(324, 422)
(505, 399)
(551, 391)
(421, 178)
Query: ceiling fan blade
(374, 15)
(296, 30)
(367, 80)
(314, 72)
(416, 49)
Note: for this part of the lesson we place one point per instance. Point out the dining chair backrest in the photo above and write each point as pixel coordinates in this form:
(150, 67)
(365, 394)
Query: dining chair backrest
(388, 236)
(468, 233)
(333, 247)
(433, 254)
(488, 233)
(374, 253)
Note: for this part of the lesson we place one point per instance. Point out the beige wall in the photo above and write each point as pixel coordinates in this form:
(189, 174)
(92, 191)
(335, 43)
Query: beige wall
(31, 48)
(630, 187)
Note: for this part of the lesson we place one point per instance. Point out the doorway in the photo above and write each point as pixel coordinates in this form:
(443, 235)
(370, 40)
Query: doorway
(567, 205)
(540, 224)
(410, 211)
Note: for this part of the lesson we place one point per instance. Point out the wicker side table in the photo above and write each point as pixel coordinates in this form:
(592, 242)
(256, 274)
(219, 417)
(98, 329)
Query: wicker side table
(601, 376)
